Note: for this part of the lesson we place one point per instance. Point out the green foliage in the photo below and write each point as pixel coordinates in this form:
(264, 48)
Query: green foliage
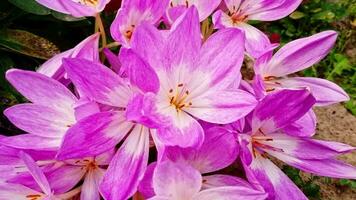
(348, 183)
(309, 188)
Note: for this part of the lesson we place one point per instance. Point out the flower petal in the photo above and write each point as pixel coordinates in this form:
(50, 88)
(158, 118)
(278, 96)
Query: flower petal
(94, 135)
(42, 90)
(90, 188)
(97, 82)
(300, 54)
(16, 191)
(324, 91)
(281, 108)
(30, 141)
(222, 107)
(146, 185)
(205, 8)
(303, 127)
(210, 156)
(140, 73)
(56, 5)
(40, 120)
(219, 180)
(275, 13)
(128, 166)
(230, 192)
(176, 180)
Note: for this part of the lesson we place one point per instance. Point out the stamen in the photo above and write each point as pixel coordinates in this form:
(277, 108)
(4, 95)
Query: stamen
(180, 85)
(171, 90)
(171, 4)
(186, 4)
(270, 89)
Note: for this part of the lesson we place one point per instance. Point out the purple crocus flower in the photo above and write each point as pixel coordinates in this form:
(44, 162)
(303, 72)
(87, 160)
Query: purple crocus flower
(178, 7)
(173, 181)
(134, 12)
(87, 49)
(271, 72)
(76, 8)
(18, 191)
(241, 11)
(190, 80)
(53, 110)
(266, 138)
(208, 158)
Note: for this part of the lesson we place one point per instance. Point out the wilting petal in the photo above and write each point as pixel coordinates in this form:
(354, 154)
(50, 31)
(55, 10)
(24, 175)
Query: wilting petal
(300, 54)
(324, 91)
(30, 141)
(222, 107)
(87, 49)
(306, 148)
(36, 173)
(281, 108)
(97, 82)
(140, 73)
(42, 90)
(128, 166)
(256, 41)
(230, 192)
(90, 188)
(276, 13)
(94, 135)
(221, 56)
(219, 180)
(176, 180)
(275, 182)
(210, 156)
(40, 120)
(303, 127)
(324, 167)
(184, 131)
(184, 40)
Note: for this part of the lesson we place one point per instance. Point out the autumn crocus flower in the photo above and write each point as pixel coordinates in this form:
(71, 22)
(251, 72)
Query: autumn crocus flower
(134, 12)
(191, 80)
(178, 7)
(53, 110)
(76, 8)
(173, 181)
(206, 159)
(87, 49)
(272, 71)
(266, 138)
(240, 12)
(18, 191)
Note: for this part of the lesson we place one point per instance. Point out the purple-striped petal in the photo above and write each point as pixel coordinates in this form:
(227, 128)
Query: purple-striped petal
(324, 91)
(33, 142)
(220, 180)
(230, 192)
(303, 127)
(210, 156)
(90, 188)
(94, 135)
(97, 82)
(16, 191)
(128, 166)
(274, 13)
(146, 185)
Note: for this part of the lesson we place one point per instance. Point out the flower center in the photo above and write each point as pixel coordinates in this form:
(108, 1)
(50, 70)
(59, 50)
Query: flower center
(129, 31)
(34, 197)
(92, 3)
(179, 97)
(237, 18)
(258, 143)
(271, 83)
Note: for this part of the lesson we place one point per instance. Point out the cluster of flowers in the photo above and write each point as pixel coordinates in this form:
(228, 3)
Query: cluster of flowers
(171, 97)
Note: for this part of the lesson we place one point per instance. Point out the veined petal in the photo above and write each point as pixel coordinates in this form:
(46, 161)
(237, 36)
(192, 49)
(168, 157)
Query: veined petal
(146, 185)
(114, 61)
(276, 13)
(221, 20)
(94, 135)
(40, 120)
(230, 192)
(16, 191)
(210, 156)
(183, 131)
(233, 5)
(300, 54)
(281, 108)
(176, 180)
(205, 8)
(184, 40)
(220, 180)
(36, 173)
(323, 167)
(128, 166)
(222, 107)
(42, 90)
(221, 56)
(275, 182)
(97, 82)
(324, 91)
(303, 127)
(90, 188)
(30, 141)
(140, 73)
(56, 5)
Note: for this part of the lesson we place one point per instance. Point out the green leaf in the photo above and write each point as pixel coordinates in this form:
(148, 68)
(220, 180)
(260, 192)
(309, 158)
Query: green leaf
(65, 17)
(297, 15)
(31, 6)
(27, 43)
